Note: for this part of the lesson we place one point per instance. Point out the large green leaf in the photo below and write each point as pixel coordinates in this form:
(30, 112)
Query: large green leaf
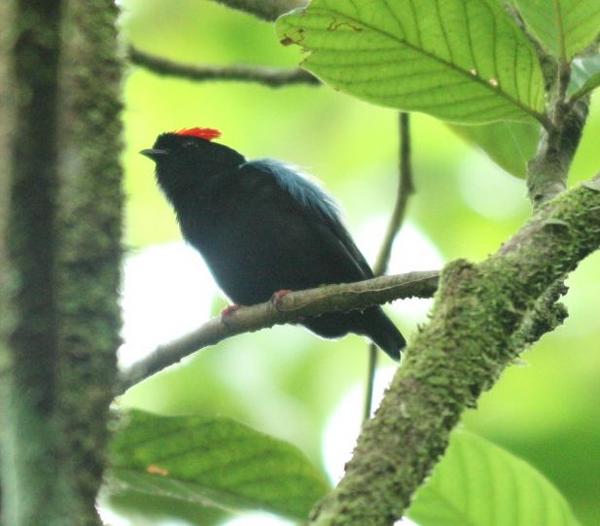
(481, 484)
(509, 144)
(463, 61)
(209, 463)
(564, 27)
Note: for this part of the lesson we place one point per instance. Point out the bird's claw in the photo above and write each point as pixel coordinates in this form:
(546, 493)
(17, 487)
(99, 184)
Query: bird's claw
(278, 296)
(229, 310)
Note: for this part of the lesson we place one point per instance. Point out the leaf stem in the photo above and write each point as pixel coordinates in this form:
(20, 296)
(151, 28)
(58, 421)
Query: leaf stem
(405, 190)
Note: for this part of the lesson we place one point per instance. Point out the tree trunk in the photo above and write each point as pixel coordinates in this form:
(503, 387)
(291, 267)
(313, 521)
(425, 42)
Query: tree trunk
(60, 228)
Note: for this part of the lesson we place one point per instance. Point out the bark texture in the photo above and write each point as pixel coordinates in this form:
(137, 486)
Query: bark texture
(60, 219)
(481, 320)
(89, 234)
(31, 494)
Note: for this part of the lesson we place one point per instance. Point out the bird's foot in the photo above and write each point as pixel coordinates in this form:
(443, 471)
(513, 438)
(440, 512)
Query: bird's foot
(278, 296)
(229, 310)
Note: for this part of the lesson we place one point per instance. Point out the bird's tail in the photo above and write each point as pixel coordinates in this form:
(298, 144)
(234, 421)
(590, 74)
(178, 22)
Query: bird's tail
(383, 332)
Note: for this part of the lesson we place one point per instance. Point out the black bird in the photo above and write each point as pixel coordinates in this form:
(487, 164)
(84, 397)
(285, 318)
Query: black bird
(262, 228)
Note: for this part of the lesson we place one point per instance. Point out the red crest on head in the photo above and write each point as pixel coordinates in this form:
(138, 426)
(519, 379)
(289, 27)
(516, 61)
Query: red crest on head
(202, 133)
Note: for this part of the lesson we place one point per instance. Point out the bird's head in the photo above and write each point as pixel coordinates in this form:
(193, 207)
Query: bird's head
(189, 157)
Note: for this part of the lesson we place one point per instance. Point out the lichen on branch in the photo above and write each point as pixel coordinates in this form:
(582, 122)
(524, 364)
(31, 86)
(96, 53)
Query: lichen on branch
(476, 329)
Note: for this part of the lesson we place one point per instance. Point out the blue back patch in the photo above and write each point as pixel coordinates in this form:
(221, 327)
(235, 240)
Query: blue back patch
(302, 190)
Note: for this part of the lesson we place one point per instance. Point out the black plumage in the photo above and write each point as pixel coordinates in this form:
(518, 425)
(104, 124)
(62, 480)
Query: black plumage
(262, 227)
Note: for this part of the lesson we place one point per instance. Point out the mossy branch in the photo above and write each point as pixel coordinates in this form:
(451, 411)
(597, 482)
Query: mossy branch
(478, 325)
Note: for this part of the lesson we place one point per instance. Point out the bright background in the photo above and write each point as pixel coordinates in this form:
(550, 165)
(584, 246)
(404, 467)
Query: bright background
(286, 381)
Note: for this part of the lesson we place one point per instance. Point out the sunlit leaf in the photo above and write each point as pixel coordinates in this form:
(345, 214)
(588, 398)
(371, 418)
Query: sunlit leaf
(585, 76)
(481, 484)
(210, 463)
(509, 144)
(564, 27)
(463, 61)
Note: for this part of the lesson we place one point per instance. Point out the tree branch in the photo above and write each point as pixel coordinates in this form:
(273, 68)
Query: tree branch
(405, 190)
(264, 9)
(272, 77)
(547, 172)
(476, 330)
(291, 308)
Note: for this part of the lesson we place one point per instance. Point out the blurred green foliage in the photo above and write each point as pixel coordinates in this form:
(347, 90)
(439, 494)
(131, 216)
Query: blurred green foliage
(479, 483)
(286, 381)
(210, 462)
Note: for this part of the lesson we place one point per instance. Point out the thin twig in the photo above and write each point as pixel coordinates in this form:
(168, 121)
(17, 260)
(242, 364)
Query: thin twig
(272, 77)
(405, 189)
(264, 9)
(289, 309)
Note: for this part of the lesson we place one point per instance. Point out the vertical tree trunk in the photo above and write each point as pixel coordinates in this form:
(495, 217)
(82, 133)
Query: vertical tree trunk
(31, 495)
(60, 227)
(6, 9)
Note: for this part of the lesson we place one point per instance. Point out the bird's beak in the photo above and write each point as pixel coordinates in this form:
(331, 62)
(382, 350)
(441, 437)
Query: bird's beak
(154, 153)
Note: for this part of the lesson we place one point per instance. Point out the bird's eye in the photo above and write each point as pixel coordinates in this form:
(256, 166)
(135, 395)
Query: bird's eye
(189, 144)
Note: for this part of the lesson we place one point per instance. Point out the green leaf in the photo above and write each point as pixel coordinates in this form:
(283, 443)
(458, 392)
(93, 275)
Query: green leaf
(564, 27)
(509, 144)
(585, 76)
(481, 484)
(140, 507)
(463, 61)
(210, 463)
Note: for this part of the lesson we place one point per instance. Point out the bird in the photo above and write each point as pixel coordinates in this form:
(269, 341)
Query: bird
(263, 228)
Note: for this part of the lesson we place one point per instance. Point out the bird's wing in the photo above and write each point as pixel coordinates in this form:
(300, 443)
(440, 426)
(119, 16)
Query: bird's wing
(314, 202)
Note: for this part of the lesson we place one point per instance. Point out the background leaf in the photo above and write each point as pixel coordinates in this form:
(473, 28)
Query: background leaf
(481, 484)
(192, 463)
(509, 144)
(564, 27)
(585, 76)
(141, 508)
(458, 60)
